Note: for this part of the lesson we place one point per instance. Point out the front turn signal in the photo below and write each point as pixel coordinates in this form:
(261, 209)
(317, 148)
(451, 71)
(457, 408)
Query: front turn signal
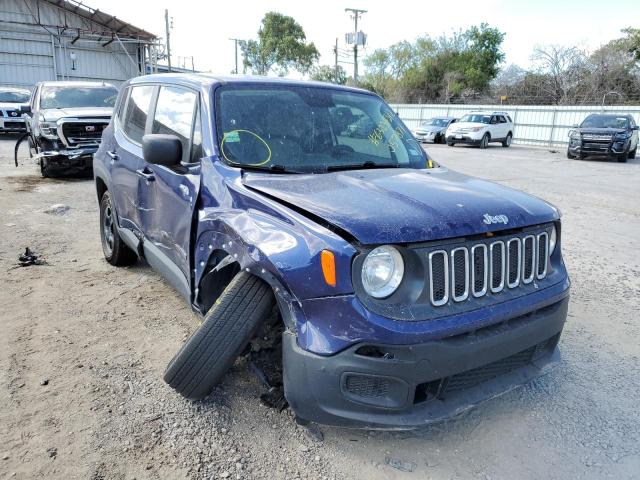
(328, 262)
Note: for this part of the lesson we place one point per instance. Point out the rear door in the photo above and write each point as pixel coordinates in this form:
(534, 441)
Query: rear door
(170, 194)
(125, 156)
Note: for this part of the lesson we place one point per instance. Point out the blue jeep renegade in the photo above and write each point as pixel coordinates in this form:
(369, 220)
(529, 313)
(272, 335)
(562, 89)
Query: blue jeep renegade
(406, 292)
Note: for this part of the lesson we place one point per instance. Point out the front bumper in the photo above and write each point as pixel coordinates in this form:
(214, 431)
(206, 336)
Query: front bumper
(12, 124)
(610, 149)
(66, 158)
(467, 138)
(408, 386)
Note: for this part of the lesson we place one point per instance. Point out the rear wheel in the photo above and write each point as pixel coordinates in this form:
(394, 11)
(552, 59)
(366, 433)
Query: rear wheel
(507, 141)
(228, 327)
(116, 252)
(485, 141)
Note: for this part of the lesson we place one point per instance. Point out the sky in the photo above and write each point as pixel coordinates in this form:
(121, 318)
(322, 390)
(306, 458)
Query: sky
(203, 29)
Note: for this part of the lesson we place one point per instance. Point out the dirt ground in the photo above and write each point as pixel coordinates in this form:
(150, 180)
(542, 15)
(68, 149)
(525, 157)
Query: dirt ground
(83, 346)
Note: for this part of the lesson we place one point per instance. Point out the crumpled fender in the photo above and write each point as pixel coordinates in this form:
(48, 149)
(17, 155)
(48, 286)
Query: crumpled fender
(267, 239)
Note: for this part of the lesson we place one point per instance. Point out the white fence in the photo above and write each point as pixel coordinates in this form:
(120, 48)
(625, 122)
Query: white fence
(546, 125)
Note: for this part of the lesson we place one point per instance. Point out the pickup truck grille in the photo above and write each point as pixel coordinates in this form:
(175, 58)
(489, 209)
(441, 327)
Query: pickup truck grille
(478, 269)
(83, 133)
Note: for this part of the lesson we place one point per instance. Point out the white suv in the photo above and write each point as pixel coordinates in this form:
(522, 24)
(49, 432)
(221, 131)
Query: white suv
(480, 128)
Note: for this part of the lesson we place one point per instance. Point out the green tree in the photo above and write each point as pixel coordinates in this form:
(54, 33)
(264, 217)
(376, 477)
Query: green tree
(328, 73)
(281, 46)
(632, 41)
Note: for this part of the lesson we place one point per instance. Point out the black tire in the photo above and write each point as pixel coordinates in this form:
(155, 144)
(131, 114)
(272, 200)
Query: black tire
(485, 141)
(451, 144)
(227, 329)
(116, 252)
(45, 171)
(632, 153)
(569, 156)
(506, 143)
(622, 158)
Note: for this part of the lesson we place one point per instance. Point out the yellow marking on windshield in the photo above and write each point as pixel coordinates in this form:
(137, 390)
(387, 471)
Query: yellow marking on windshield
(233, 134)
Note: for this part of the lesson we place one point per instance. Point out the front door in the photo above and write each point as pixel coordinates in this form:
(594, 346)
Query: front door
(169, 195)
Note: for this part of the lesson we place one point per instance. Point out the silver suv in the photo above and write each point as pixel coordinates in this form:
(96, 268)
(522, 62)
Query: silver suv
(480, 128)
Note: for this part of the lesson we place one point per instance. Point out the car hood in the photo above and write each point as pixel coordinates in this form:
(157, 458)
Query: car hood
(602, 131)
(461, 125)
(11, 106)
(53, 114)
(429, 128)
(404, 205)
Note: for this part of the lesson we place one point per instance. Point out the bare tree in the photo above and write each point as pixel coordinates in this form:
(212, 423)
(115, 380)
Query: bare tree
(559, 67)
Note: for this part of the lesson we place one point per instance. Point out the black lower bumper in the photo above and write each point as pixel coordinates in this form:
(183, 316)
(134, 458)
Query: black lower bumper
(408, 386)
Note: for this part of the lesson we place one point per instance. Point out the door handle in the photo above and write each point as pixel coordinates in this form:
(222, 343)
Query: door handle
(146, 173)
(113, 155)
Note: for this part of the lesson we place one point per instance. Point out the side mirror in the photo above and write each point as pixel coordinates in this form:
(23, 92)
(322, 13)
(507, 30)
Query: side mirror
(575, 125)
(25, 109)
(162, 149)
(635, 127)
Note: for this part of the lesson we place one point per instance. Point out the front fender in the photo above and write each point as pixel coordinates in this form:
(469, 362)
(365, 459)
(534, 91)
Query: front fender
(280, 252)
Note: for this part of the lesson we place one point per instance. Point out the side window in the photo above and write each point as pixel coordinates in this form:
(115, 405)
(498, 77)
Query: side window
(121, 105)
(196, 138)
(509, 119)
(494, 120)
(137, 112)
(501, 119)
(174, 115)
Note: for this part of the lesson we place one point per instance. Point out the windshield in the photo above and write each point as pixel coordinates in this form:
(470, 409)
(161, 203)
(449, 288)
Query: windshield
(605, 121)
(77, 97)
(476, 118)
(310, 129)
(15, 97)
(436, 122)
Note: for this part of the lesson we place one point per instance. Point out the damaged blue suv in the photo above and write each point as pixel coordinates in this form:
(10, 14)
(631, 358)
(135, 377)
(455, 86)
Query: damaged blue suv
(405, 292)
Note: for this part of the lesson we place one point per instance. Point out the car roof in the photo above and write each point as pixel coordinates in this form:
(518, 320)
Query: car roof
(210, 80)
(75, 84)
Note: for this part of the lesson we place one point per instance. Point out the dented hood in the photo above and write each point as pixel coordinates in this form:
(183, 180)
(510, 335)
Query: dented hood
(404, 205)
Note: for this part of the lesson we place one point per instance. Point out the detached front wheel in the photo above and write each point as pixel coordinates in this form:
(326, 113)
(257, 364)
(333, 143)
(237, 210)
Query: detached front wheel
(227, 328)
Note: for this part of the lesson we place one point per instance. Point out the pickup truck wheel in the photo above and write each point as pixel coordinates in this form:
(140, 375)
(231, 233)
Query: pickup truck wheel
(44, 169)
(507, 141)
(622, 158)
(632, 153)
(569, 156)
(226, 330)
(451, 144)
(116, 252)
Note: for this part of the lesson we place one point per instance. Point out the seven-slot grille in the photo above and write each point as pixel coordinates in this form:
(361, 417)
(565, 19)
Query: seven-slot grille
(487, 267)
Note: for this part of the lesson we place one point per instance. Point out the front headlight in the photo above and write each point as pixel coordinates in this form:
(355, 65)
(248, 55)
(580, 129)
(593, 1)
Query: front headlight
(574, 135)
(553, 238)
(382, 271)
(623, 135)
(49, 130)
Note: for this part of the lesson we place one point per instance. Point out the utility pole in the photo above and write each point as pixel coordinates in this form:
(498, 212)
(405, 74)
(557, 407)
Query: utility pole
(236, 40)
(166, 26)
(335, 53)
(356, 13)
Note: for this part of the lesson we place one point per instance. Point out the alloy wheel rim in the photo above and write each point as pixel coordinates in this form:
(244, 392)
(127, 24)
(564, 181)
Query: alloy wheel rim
(108, 237)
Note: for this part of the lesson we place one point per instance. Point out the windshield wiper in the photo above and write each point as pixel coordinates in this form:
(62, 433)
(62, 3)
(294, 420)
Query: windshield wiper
(361, 166)
(271, 168)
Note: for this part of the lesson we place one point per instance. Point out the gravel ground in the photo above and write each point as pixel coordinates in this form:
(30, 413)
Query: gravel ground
(84, 345)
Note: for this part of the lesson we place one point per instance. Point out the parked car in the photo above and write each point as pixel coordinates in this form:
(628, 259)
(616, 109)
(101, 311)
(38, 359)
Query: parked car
(11, 101)
(407, 292)
(65, 123)
(433, 130)
(604, 135)
(481, 128)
